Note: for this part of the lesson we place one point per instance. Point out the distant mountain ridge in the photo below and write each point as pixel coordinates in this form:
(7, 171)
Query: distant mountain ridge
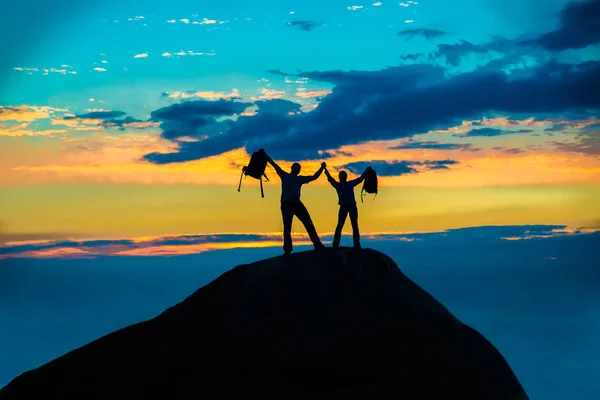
(326, 324)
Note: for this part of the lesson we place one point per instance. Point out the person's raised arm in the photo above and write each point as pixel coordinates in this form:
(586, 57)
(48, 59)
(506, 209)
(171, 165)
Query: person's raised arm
(358, 180)
(316, 174)
(330, 178)
(278, 169)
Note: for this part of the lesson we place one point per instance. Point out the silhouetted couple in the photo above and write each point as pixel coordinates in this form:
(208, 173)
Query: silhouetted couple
(291, 184)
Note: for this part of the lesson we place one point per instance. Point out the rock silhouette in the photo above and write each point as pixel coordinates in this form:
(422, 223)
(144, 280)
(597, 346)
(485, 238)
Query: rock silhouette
(325, 324)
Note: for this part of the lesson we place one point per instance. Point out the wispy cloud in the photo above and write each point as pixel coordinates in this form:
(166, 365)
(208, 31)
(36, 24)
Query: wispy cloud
(206, 95)
(194, 244)
(355, 8)
(18, 130)
(27, 113)
(63, 70)
(269, 94)
(309, 94)
(141, 55)
(183, 53)
(203, 21)
(99, 69)
(435, 146)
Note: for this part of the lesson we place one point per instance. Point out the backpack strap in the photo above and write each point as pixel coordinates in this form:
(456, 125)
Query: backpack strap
(362, 195)
(265, 175)
(242, 174)
(262, 192)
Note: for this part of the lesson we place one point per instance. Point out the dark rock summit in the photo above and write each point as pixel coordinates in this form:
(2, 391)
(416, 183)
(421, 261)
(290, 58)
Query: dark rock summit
(324, 324)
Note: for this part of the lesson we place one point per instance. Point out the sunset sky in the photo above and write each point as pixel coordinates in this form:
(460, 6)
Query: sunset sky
(132, 119)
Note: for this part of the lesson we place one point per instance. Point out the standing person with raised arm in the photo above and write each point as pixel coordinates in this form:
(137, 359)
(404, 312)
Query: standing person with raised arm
(291, 184)
(347, 203)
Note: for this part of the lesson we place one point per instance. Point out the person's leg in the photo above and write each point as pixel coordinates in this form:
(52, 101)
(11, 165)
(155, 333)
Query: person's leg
(354, 221)
(287, 215)
(342, 214)
(302, 213)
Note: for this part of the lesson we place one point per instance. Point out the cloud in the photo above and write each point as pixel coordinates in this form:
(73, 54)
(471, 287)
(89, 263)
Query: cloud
(355, 8)
(269, 94)
(492, 132)
(98, 69)
(425, 32)
(586, 142)
(98, 119)
(304, 25)
(485, 132)
(194, 244)
(400, 102)
(206, 95)
(508, 150)
(183, 53)
(104, 114)
(63, 70)
(579, 27)
(17, 130)
(27, 113)
(309, 94)
(141, 55)
(194, 119)
(397, 168)
(436, 146)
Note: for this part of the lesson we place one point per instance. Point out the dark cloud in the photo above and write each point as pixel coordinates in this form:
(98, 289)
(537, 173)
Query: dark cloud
(100, 115)
(400, 102)
(485, 132)
(579, 27)
(185, 119)
(110, 119)
(190, 110)
(436, 146)
(508, 150)
(304, 25)
(556, 127)
(397, 168)
(492, 132)
(425, 32)
(587, 142)
(278, 106)
(383, 168)
(441, 164)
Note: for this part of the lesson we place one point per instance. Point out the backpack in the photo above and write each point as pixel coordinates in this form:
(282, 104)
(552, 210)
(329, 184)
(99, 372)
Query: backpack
(255, 169)
(369, 185)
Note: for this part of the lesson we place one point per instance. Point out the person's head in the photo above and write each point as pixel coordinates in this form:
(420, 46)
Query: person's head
(343, 176)
(295, 168)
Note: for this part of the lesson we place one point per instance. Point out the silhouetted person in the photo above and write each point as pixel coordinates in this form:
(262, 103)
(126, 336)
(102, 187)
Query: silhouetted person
(347, 202)
(291, 184)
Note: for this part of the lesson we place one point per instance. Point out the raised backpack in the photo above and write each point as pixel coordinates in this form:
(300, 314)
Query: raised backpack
(369, 184)
(255, 169)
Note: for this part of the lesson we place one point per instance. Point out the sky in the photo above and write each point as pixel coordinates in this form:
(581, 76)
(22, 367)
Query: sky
(129, 119)
(124, 127)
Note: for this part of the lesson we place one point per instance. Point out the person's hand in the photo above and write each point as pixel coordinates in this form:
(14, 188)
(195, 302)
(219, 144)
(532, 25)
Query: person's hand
(323, 165)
